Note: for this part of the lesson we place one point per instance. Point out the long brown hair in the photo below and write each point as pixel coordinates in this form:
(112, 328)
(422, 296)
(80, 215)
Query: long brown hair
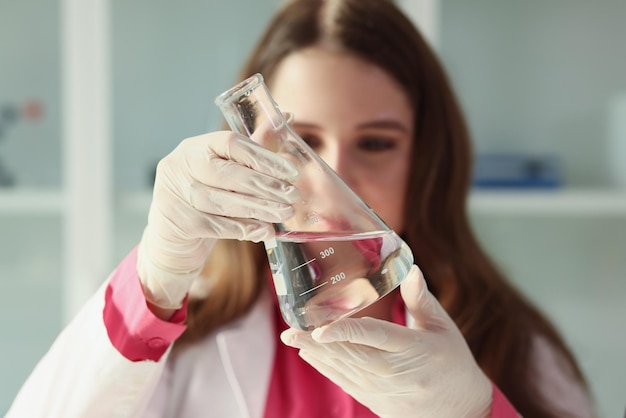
(496, 320)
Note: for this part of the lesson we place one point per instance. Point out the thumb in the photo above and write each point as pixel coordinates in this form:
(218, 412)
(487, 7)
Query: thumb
(421, 304)
(288, 117)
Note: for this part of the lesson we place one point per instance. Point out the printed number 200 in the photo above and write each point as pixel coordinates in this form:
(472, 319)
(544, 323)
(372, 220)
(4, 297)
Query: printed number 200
(338, 277)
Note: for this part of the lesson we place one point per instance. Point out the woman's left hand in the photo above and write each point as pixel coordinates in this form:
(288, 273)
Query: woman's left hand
(426, 370)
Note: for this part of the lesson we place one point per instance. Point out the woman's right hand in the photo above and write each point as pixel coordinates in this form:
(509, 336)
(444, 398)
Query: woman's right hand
(217, 185)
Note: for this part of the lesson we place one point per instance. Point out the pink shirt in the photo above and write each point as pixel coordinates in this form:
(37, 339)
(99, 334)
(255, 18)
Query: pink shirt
(132, 327)
(139, 335)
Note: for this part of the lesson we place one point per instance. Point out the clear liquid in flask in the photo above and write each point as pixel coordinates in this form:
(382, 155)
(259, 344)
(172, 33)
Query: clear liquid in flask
(321, 277)
(334, 256)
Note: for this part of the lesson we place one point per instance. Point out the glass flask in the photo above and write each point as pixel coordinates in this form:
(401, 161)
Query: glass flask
(335, 256)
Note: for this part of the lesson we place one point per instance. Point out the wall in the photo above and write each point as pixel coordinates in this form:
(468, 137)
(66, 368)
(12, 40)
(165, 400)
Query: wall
(540, 77)
(170, 60)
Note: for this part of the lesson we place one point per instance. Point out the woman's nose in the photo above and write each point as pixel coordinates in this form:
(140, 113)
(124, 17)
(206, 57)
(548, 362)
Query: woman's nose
(339, 160)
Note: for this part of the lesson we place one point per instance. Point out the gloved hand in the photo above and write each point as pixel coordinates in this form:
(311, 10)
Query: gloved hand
(217, 185)
(426, 370)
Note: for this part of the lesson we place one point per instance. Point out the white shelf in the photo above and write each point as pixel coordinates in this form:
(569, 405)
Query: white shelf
(25, 201)
(137, 202)
(576, 202)
(33, 201)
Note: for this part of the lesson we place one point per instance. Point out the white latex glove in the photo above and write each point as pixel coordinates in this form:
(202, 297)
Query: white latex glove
(217, 185)
(423, 371)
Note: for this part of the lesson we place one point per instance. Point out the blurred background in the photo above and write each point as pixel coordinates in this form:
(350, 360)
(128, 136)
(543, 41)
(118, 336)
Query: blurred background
(94, 92)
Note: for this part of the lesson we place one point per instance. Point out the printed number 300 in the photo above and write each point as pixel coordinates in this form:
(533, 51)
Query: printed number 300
(327, 252)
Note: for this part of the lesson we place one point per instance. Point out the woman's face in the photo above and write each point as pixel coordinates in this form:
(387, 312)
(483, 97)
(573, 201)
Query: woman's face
(356, 117)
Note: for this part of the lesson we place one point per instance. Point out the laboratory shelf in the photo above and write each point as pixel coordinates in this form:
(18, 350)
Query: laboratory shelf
(134, 202)
(581, 202)
(31, 201)
(574, 202)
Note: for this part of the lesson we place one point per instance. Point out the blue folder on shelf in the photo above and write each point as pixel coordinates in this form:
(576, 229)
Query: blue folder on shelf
(517, 171)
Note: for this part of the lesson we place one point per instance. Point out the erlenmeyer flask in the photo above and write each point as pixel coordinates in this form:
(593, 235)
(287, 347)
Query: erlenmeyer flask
(335, 256)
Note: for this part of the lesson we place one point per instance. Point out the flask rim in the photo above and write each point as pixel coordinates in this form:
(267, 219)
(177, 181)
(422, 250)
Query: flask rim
(239, 89)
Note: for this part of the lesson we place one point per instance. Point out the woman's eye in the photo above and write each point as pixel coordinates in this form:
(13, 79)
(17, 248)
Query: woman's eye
(311, 140)
(376, 144)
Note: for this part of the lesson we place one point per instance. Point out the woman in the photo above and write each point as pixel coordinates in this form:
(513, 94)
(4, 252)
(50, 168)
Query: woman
(372, 99)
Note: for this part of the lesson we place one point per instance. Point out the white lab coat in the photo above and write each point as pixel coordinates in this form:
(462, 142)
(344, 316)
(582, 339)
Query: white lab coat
(226, 375)
(83, 375)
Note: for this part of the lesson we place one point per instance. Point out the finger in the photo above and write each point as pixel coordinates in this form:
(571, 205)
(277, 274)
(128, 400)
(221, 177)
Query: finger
(342, 352)
(245, 151)
(352, 359)
(304, 341)
(336, 374)
(190, 223)
(382, 335)
(359, 384)
(293, 337)
(234, 205)
(232, 176)
(238, 228)
(289, 116)
(421, 304)
(271, 133)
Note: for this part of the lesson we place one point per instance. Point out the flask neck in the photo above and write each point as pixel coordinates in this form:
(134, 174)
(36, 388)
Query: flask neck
(249, 105)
